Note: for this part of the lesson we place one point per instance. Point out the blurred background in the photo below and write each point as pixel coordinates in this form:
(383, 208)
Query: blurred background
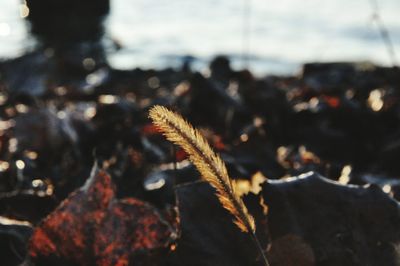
(278, 89)
(268, 37)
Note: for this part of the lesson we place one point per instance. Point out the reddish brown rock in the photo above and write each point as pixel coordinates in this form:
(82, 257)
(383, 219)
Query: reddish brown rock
(92, 226)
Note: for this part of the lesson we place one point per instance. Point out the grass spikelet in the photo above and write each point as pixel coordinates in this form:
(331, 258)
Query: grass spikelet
(209, 164)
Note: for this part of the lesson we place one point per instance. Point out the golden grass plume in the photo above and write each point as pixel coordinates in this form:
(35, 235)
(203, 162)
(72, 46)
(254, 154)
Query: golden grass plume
(208, 163)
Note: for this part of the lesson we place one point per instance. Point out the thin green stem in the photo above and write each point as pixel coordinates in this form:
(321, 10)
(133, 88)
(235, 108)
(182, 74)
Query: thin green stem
(260, 249)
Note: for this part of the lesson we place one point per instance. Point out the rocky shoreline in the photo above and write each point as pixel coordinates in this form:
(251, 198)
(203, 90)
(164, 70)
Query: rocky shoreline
(60, 114)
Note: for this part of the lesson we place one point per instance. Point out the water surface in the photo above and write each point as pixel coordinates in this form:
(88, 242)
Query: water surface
(276, 36)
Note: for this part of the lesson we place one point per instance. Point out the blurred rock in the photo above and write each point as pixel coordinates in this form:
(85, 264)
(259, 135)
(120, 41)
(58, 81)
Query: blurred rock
(343, 225)
(13, 241)
(67, 21)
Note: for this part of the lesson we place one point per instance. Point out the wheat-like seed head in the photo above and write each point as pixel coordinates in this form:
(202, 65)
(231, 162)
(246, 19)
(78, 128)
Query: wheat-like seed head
(209, 164)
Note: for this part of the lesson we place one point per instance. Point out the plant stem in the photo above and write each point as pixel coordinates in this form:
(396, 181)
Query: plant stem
(173, 154)
(260, 249)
